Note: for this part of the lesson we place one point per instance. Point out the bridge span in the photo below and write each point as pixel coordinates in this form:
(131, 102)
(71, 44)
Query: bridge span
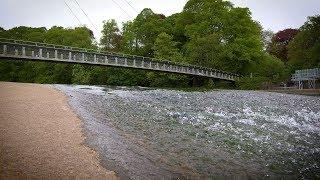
(34, 51)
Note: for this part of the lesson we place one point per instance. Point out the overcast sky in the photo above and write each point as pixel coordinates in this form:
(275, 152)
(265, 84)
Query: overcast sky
(272, 14)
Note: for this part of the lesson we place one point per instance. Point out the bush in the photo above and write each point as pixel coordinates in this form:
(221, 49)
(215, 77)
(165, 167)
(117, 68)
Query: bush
(254, 83)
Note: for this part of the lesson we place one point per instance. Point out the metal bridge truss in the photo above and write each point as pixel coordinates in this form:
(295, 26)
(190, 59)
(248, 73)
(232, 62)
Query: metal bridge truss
(25, 50)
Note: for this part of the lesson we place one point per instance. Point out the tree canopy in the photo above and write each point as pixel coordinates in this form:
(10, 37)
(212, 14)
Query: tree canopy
(304, 49)
(280, 42)
(220, 35)
(111, 36)
(209, 33)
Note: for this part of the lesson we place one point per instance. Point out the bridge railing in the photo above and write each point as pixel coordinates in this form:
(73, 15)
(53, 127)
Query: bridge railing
(44, 51)
(306, 74)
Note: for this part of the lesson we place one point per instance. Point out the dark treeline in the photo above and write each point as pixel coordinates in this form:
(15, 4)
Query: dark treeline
(208, 33)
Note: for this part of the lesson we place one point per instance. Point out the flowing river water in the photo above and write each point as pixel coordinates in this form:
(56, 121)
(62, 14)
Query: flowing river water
(145, 133)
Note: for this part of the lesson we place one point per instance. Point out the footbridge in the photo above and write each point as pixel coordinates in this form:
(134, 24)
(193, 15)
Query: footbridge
(35, 51)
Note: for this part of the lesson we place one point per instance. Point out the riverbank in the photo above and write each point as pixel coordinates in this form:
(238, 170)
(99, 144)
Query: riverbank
(307, 92)
(41, 137)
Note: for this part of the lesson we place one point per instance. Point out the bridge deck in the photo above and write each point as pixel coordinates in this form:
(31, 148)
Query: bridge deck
(14, 49)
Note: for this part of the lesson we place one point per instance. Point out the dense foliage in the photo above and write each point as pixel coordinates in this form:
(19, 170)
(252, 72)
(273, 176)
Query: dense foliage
(280, 42)
(210, 33)
(44, 72)
(304, 50)
(298, 48)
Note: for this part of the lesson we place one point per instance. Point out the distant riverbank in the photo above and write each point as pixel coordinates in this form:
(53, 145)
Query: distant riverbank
(41, 137)
(307, 92)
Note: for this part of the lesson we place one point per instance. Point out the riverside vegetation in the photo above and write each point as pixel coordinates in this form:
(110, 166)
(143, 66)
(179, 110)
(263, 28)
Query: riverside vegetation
(213, 34)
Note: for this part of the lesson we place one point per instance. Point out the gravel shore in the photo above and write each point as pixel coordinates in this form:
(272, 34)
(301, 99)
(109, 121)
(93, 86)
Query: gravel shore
(41, 137)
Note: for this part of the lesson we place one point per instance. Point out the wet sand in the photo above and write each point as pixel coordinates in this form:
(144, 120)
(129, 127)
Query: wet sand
(41, 137)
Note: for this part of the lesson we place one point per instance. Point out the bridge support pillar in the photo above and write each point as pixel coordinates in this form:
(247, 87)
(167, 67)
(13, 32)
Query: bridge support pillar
(55, 54)
(32, 53)
(70, 56)
(82, 56)
(4, 49)
(134, 63)
(106, 60)
(23, 52)
(125, 62)
(40, 53)
(94, 58)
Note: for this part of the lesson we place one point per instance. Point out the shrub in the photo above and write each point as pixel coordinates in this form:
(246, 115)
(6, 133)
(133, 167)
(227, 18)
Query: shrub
(254, 83)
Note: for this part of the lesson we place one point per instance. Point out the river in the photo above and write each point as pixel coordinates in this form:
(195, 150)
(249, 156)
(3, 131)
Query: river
(143, 133)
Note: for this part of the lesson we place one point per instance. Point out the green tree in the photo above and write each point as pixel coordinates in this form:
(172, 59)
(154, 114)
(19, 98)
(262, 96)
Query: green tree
(81, 75)
(209, 33)
(111, 37)
(44, 72)
(205, 51)
(129, 42)
(221, 36)
(165, 48)
(26, 33)
(304, 50)
(140, 34)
